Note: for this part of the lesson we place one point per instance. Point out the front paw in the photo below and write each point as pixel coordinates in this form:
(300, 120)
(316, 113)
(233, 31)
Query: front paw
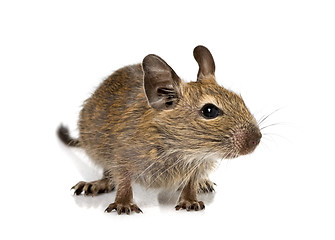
(123, 208)
(190, 205)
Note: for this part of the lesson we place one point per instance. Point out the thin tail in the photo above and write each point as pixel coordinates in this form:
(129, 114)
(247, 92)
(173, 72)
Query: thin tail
(64, 135)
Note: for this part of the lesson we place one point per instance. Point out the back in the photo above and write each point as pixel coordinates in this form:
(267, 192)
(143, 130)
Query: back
(105, 112)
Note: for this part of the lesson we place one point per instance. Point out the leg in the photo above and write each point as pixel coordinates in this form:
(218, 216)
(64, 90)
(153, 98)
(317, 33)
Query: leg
(188, 198)
(124, 199)
(104, 185)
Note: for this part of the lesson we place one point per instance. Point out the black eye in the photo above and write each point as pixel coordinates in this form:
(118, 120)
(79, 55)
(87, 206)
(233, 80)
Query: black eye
(210, 111)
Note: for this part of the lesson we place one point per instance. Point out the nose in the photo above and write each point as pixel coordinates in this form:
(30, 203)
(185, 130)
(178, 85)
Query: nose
(254, 140)
(246, 140)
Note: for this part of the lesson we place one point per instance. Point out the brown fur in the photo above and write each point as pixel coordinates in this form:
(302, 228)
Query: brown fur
(159, 145)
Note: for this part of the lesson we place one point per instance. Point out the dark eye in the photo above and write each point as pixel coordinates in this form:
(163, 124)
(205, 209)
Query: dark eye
(210, 111)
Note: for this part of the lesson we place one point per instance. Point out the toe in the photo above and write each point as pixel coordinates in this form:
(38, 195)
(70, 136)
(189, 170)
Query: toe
(196, 206)
(78, 188)
(136, 209)
(94, 190)
(87, 189)
(111, 207)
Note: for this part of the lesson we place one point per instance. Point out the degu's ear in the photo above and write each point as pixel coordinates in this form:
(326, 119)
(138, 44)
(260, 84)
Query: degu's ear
(205, 61)
(161, 83)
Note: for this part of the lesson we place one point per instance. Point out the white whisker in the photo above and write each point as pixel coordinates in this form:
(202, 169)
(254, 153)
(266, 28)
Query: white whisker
(273, 124)
(267, 116)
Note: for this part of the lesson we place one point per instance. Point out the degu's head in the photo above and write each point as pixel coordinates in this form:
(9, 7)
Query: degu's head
(199, 116)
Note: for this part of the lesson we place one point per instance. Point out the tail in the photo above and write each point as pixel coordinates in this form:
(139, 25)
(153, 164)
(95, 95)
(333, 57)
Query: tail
(64, 136)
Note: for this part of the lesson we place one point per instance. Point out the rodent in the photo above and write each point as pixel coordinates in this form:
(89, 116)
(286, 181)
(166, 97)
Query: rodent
(145, 124)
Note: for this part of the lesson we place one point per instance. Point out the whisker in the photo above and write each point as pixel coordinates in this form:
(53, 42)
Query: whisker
(266, 116)
(273, 124)
(269, 135)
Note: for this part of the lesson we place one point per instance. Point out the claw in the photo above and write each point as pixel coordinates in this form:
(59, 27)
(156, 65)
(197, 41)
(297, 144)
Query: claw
(123, 208)
(206, 186)
(93, 188)
(190, 205)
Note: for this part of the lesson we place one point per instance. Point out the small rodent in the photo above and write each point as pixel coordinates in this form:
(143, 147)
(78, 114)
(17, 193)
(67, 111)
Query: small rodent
(144, 124)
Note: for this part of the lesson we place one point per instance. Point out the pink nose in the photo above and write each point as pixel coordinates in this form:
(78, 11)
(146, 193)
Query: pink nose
(247, 139)
(254, 140)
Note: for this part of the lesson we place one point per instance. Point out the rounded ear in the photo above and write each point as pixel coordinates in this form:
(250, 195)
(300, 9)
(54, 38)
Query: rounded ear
(205, 61)
(161, 83)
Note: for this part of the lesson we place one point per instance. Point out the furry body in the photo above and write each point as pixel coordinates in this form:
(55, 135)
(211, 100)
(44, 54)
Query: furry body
(141, 143)
(145, 124)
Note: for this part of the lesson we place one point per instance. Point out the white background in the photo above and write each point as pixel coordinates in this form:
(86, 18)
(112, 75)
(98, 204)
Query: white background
(277, 54)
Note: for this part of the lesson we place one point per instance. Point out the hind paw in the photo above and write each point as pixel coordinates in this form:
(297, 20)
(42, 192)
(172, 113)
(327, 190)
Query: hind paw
(93, 188)
(206, 186)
